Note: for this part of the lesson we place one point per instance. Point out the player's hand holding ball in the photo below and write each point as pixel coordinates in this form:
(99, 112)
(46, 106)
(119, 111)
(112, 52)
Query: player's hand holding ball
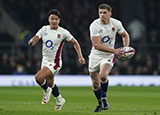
(126, 53)
(118, 52)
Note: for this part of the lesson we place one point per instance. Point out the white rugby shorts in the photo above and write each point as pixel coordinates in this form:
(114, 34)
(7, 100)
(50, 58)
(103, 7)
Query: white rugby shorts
(95, 61)
(52, 65)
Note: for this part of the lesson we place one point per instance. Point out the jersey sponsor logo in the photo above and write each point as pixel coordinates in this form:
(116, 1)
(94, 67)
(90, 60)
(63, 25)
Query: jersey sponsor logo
(106, 39)
(49, 44)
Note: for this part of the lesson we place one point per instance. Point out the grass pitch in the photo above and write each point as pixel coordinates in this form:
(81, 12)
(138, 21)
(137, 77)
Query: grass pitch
(80, 101)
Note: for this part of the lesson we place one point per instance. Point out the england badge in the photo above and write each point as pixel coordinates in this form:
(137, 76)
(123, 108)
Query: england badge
(113, 29)
(59, 36)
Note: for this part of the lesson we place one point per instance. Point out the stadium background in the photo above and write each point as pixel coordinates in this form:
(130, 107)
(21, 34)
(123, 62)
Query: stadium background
(21, 19)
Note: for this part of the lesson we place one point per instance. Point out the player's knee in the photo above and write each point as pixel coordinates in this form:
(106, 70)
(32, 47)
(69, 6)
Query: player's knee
(96, 86)
(50, 83)
(39, 79)
(103, 79)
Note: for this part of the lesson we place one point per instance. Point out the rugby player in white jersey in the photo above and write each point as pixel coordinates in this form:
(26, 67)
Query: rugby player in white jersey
(53, 37)
(101, 59)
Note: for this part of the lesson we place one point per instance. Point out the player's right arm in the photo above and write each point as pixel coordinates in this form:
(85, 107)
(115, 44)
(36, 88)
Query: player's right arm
(33, 40)
(96, 41)
(37, 37)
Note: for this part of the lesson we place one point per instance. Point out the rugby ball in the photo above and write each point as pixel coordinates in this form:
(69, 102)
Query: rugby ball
(126, 53)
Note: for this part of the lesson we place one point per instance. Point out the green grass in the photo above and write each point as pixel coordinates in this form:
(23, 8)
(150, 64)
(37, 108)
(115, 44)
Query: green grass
(80, 101)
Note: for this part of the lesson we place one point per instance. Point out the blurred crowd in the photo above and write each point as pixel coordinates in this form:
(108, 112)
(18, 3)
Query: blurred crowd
(17, 58)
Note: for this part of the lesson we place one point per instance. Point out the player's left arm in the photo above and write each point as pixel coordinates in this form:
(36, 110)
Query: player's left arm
(126, 38)
(78, 50)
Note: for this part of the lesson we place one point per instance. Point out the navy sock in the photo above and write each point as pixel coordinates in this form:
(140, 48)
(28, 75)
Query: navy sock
(44, 85)
(104, 88)
(55, 91)
(98, 95)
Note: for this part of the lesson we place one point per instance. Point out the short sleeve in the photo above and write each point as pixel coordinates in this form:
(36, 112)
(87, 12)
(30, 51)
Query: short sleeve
(40, 32)
(120, 27)
(68, 35)
(94, 30)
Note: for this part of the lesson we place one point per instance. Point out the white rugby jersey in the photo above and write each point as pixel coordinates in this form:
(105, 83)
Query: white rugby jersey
(107, 33)
(53, 41)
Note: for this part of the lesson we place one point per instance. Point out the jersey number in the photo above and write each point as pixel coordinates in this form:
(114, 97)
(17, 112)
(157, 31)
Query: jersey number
(106, 39)
(49, 44)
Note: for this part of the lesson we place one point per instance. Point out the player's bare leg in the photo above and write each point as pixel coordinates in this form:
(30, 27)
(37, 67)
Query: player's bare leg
(104, 71)
(96, 89)
(50, 81)
(41, 78)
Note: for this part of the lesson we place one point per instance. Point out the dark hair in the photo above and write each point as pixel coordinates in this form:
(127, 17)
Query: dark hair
(105, 6)
(54, 11)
